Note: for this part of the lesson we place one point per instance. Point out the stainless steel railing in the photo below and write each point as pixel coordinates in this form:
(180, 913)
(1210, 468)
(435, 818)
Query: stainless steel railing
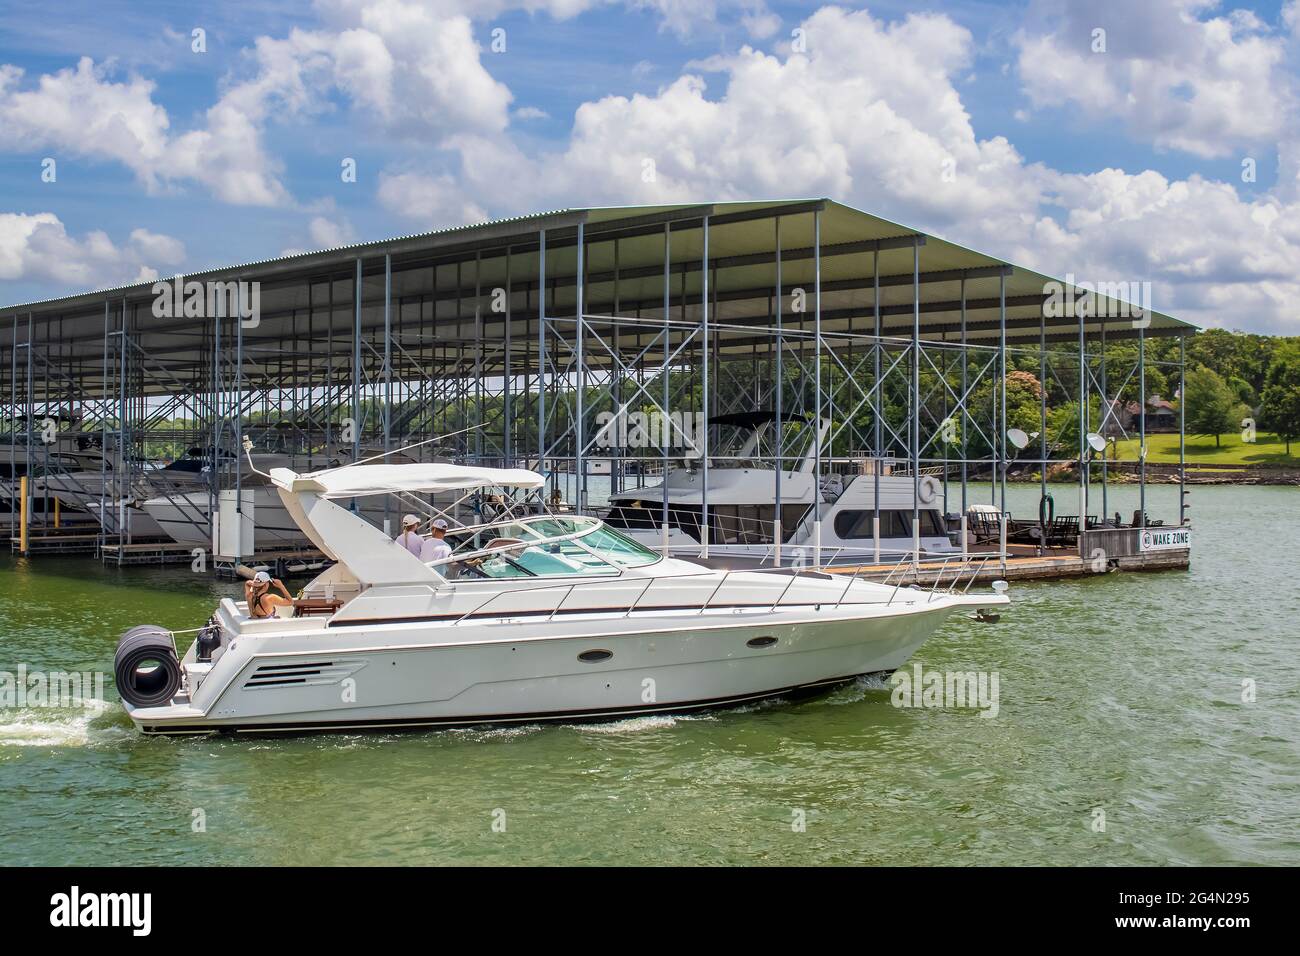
(973, 568)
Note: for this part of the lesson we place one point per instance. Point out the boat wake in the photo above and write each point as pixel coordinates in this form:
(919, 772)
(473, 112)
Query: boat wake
(859, 689)
(758, 706)
(485, 733)
(639, 725)
(73, 727)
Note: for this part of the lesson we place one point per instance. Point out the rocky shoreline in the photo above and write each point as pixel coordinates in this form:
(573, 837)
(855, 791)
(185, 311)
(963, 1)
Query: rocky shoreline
(1125, 473)
(1206, 477)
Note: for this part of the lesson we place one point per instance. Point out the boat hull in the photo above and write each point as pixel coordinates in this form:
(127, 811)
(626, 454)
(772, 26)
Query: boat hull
(395, 724)
(187, 520)
(94, 492)
(512, 670)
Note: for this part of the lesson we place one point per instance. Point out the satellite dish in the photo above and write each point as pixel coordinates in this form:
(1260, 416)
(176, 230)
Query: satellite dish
(1096, 442)
(1018, 438)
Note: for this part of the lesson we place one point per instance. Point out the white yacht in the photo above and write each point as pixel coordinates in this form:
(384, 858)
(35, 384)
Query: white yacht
(67, 451)
(64, 451)
(743, 523)
(185, 514)
(186, 517)
(98, 489)
(533, 617)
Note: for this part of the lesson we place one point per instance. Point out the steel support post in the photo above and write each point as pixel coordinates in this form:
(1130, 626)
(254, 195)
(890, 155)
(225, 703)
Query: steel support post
(616, 385)
(778, 526)
(1106, 411)
(356, 369)
(1002, 397)
(817, 388)
(664, 429)
(541, 351)
(1083, 428)
(580, 461)
(965, 402)
(878, 451)
(1182, 430)
(1042, 430)
(388, 377)
(508, 422)
(704, 349)
(479, 345)
(915, 405)
(239, 437)
(1142, 405)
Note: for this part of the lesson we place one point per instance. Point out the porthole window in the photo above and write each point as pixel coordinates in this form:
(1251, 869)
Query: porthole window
(760, 642)
(595, 656)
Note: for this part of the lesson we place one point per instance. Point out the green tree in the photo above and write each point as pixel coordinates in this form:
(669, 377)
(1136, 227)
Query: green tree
(1245, 393)
(1212, 406)
(1280, 412)
(1238, 355)
(1280, 400)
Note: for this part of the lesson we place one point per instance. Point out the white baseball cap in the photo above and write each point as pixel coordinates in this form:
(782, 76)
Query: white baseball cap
(410, 520)
(440, 524)
(261, 577)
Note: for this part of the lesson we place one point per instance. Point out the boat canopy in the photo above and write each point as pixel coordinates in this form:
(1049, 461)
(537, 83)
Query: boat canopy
(758, 417)
(358, 480)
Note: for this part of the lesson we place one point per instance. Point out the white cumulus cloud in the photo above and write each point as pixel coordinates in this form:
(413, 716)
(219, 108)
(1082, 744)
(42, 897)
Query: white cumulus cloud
(37, 246)
(85, 112)
(1204, 86)
(434, 201)
(871, 114)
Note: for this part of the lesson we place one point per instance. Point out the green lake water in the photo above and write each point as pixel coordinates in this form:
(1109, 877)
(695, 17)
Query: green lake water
(1120, 693)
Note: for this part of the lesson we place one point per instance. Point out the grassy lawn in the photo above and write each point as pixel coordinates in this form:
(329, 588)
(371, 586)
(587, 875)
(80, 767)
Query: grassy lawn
(1201, 450)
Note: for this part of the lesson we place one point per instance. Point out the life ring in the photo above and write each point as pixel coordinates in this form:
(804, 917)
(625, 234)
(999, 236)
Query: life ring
(927, 489)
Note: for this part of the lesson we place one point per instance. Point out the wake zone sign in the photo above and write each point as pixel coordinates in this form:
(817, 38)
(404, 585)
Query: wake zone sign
(1160, 539)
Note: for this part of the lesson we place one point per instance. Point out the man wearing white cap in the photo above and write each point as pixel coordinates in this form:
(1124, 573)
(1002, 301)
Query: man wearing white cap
(410, 537)
(435, 548)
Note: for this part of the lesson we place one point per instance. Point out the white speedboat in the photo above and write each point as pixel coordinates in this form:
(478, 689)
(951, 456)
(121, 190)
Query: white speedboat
(536, 617)
(743, 522)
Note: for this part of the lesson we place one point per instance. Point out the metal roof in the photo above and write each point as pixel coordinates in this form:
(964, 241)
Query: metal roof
(439, 276)
(306, 259)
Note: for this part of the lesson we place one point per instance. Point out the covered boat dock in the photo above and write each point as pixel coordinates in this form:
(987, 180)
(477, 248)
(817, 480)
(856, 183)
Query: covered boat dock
(550, 341)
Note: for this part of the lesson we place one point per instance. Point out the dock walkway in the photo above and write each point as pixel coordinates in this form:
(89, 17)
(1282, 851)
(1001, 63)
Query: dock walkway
(1022, 564)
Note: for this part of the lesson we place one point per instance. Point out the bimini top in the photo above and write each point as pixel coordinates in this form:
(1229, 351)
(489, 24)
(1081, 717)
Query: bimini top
(358, 480)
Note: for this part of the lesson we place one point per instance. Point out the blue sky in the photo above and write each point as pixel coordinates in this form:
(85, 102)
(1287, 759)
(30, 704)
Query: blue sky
(1120, 163)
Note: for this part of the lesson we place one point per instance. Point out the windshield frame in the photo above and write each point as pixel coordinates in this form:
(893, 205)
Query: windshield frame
(583, 527)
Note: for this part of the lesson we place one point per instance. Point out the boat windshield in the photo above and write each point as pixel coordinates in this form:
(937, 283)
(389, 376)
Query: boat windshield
(547, 546)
